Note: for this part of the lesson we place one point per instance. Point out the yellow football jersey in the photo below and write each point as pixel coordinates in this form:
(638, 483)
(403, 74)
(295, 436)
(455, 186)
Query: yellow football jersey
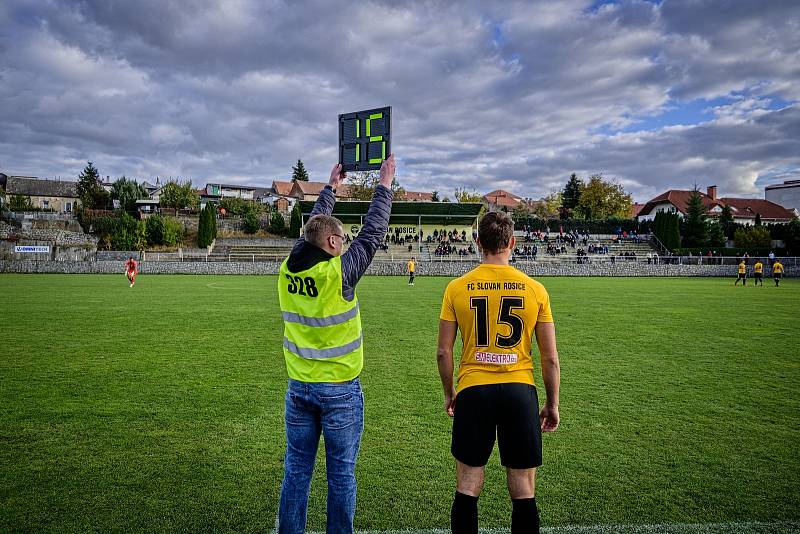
(411, 266)
(777, 267)
(496, 308)
(758, 268)
(742, 268)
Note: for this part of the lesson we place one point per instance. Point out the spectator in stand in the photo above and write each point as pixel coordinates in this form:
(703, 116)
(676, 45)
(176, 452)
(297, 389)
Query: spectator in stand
(771, 258)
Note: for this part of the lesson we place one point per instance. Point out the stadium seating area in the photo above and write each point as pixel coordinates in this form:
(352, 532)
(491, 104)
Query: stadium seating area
(597, 249)
(604, 248)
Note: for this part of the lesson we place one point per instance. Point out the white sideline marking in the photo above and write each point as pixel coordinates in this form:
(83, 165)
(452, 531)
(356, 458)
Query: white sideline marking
(744, 527)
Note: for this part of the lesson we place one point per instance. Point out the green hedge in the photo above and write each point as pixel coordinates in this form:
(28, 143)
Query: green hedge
(126, 233)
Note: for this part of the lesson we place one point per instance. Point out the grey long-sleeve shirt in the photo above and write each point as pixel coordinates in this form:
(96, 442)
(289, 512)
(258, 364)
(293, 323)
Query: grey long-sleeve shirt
(355, 261)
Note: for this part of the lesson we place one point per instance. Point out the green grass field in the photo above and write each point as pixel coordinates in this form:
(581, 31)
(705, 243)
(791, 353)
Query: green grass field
(161, 407)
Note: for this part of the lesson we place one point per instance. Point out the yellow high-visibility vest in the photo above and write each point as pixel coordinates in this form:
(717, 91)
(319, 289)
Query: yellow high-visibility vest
(322, 338)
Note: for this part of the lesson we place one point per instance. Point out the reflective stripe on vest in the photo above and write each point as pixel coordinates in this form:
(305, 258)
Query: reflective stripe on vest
(339, 318)
(319, 354)
(322, 339)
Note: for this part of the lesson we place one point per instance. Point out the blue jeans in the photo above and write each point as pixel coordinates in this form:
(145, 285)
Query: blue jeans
(337, 411)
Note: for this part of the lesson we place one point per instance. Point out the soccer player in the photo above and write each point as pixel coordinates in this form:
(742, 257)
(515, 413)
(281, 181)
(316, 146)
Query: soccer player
(322, 347)
(742, 273)
(758, 273)
(131, 270)
(412, 264)
(777, 272)
(498, 309)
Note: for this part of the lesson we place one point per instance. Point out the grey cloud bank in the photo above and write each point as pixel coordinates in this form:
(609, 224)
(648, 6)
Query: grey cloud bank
(511, 95)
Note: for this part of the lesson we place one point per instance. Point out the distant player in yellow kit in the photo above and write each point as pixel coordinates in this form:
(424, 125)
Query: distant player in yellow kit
(412, 265)
(742, 273)
(498, 310)
(777, 272)
(758, 273)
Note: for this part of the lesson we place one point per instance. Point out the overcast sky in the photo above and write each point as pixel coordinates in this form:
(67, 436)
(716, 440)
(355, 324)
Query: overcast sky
(512, 95)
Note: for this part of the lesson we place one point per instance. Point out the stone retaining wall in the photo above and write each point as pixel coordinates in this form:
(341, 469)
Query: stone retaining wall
(449, 269)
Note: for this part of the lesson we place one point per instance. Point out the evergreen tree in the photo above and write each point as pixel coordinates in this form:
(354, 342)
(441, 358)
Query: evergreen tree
(213, 219)
(695, 230)
(90, 189)
(299, 172)
(296, 221)
(435, 196)
(571, 195)
(204, 229)
(277, 225)
(726, 221)
(716, 237)
(674, 233)
(758, 219)
(658, 226)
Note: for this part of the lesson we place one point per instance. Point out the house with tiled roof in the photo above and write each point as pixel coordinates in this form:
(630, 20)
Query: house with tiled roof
(744, 210)
(498, 200)
(310, 190)
(635, 210)
(278, 196)
(416, 196)
(55, 195)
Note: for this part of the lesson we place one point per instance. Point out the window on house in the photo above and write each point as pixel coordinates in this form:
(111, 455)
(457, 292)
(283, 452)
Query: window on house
(45, 204)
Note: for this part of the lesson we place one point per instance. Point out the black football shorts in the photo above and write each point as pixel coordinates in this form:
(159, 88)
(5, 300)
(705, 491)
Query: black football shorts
(508, 411)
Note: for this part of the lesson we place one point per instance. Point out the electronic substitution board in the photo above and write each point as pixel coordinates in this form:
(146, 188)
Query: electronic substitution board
(365, 139)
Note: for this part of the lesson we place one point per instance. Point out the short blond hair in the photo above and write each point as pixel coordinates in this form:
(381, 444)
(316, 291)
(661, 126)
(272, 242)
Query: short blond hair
(320, 227)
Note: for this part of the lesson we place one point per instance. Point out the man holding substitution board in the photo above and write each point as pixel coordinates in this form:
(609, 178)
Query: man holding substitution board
(322, 343)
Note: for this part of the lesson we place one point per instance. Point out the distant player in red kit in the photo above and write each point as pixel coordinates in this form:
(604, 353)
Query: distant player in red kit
(131, 270)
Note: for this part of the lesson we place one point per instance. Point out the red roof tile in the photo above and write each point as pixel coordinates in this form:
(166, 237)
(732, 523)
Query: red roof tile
(418, 196)
(282, 188)
(742, 207)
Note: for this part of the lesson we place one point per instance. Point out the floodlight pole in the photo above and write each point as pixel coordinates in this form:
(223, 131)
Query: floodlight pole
(419, 236)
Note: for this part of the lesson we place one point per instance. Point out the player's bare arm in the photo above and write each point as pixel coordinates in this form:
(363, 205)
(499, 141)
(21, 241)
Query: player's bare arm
(551, 374)
(444, 359)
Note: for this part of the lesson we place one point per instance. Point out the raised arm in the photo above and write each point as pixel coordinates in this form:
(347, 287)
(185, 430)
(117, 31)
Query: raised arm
(551, 374)
(358, 257)
(327, 198)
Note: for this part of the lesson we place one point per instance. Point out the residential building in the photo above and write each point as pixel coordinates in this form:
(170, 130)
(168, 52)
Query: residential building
(499, 200)
(786, 194)
(310, 190)
(245, 192)
(152, 189)
(416, 196)
(744, 210)
(55, 195)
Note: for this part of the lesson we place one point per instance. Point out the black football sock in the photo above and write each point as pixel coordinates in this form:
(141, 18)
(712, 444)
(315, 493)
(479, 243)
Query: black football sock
(464, 514)
(524, 516)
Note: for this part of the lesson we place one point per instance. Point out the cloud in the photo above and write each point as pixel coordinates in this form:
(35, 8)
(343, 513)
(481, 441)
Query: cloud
(515, 95)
